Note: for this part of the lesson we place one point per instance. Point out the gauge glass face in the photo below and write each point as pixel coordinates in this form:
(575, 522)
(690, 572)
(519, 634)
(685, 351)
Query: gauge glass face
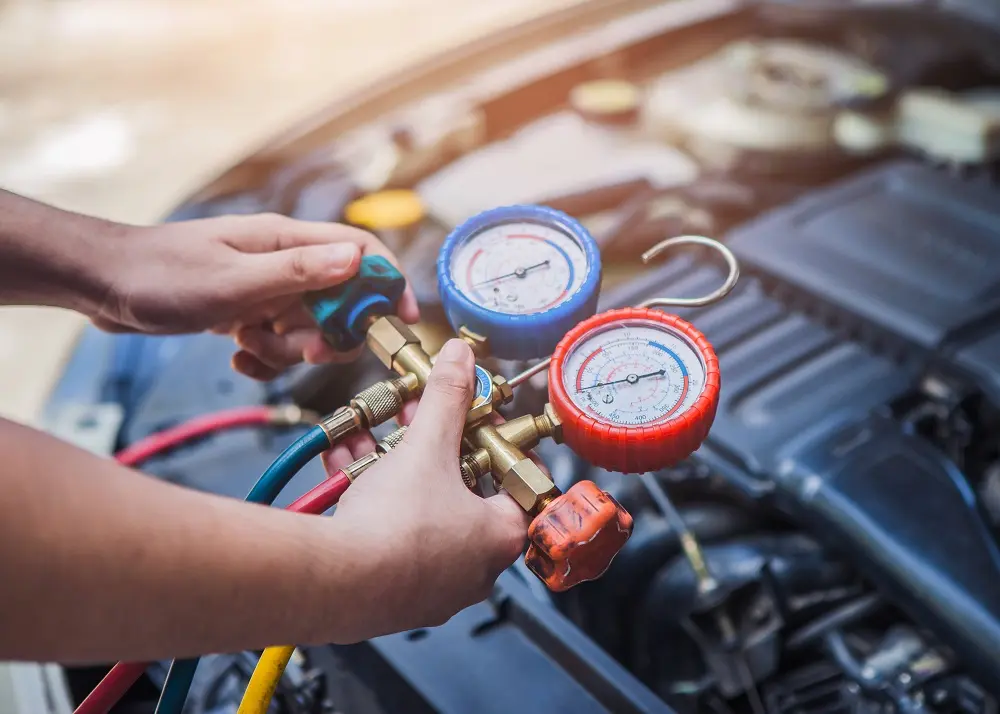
(633, 373)
(519, 268)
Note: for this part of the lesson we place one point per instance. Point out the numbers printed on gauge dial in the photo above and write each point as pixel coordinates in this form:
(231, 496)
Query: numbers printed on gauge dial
(519, 268)
(634, 373)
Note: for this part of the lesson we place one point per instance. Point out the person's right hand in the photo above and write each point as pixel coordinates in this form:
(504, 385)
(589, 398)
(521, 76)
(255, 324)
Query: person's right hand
(432, 547)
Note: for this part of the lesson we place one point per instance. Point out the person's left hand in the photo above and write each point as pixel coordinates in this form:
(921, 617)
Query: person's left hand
(239, 275)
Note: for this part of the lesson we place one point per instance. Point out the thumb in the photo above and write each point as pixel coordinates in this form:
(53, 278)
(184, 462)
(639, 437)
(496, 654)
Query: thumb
(299, 269)
(440, 418)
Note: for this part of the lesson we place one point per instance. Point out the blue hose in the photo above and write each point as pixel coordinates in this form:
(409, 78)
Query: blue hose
(307, 447)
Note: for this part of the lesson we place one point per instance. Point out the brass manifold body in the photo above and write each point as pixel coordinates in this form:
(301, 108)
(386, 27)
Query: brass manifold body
(488, 447)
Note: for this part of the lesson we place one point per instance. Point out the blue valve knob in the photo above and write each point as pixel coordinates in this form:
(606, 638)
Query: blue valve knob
(343, 312)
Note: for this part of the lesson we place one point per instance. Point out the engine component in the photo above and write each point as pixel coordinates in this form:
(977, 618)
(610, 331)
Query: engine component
(611, 102)
(909, 249)
(959, 129)
(777, 97)
(554, 156)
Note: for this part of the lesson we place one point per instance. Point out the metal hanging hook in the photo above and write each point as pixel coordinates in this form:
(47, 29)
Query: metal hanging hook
(716, 295)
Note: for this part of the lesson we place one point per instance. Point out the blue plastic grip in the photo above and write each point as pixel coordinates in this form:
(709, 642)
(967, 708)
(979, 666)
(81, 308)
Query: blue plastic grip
(519, 337)
(342, 312)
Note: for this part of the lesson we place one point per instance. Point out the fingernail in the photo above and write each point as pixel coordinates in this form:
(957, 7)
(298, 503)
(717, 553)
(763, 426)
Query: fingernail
(343, 254)
(454, 351)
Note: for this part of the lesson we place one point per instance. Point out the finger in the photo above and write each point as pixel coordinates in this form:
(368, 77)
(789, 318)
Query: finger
(246, 364)
(282, 351)
(405, 416)
(295, 270)
(507, 532)
(336, 458)
(319, 351)
(360, 444)
(272, 232)
(440, 416)
(296, 317)
(279, 352)
(408, 309)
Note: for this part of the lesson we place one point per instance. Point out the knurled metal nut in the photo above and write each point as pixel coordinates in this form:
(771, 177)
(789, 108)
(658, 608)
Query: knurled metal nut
(469, 476)
(379, 403)
(394, 439)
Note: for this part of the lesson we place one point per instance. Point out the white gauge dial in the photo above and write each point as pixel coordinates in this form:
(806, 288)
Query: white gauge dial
(633, 373)
(519, 268)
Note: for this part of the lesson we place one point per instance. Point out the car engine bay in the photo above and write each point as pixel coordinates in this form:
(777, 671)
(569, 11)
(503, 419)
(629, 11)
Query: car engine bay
(847, 500)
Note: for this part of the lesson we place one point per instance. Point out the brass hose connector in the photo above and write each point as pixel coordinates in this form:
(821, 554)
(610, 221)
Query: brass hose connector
(373, 406)
(474, 467)
(383, 447)
(383, 400)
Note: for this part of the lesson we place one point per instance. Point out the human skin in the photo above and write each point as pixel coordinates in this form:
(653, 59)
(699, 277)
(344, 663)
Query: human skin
(99, 562)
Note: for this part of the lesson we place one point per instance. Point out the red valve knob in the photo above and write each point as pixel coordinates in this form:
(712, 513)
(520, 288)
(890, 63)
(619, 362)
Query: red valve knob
(577, 536)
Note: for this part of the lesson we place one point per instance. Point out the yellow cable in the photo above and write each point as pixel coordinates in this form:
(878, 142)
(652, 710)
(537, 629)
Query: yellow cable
(265, 680)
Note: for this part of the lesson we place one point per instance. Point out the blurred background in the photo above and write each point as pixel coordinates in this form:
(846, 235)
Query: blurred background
(830, 547)
(121, 108)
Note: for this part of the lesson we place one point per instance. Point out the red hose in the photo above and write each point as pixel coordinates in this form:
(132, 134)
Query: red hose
(323, 497)
(112, 688)
(124, 674)
(154, 444)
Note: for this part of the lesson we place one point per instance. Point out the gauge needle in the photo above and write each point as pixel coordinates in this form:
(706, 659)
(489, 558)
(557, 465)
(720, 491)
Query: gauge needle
(519, 273)
(631, 379)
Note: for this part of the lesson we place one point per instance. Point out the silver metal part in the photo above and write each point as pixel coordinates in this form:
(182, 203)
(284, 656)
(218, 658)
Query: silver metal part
(527, 374)
(714, 296)
(393, 440)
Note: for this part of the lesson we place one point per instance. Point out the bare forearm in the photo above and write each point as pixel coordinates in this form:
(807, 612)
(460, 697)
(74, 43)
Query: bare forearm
(100, 563)
(53, 257)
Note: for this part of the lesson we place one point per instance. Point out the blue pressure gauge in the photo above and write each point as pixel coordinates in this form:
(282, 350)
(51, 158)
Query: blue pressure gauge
(521, 276)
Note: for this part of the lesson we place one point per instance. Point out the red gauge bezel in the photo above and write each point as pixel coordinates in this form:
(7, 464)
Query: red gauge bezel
(635, 449)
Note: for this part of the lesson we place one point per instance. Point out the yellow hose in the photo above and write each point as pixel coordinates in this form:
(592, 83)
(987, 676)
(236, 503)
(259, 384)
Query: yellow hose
(265, 680)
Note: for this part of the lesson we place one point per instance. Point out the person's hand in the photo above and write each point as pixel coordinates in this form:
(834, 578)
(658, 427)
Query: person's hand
(431, 546)
(239, 275)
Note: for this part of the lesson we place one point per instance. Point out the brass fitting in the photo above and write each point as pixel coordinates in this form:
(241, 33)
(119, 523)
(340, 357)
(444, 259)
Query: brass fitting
(373, 406)
(394, 343)
(292, 415)
(474, 467)
(504, 393)
(381, 449)
(513, 471)
(525, 432)
(553, 426)
(342, 423)
(361, 465)
(480, 345)
(383, 400)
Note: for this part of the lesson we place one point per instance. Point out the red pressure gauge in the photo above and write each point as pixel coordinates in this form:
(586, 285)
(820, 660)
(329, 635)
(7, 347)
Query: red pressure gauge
(636, 389)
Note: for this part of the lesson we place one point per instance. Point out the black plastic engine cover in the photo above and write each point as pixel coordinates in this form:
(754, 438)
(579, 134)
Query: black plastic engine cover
(783, 371)
(911, 522)
(911, 249)
(982, 360)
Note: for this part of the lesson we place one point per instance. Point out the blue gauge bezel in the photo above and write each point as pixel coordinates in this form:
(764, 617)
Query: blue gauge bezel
(520, 336)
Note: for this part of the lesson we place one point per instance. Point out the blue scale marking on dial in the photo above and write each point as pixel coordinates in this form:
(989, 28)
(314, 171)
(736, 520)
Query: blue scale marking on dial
(657, 345)
(651, 343)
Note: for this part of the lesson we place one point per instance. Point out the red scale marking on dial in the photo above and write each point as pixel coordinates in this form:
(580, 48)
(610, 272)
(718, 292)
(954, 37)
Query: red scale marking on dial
(524, 236)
